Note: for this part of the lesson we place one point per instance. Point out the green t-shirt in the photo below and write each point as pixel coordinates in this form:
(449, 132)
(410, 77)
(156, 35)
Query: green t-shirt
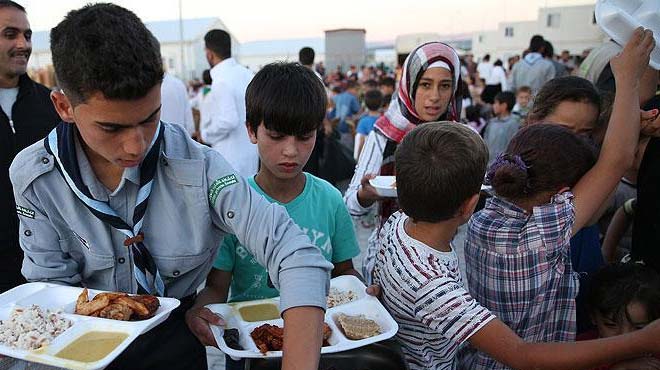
(319, 211)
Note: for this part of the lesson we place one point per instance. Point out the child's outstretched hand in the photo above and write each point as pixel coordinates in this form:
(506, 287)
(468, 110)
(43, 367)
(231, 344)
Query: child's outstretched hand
(198, 320)
(650, 122)
(631, 63)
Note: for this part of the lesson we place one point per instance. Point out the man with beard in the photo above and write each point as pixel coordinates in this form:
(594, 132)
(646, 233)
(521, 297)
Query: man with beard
(27, 115)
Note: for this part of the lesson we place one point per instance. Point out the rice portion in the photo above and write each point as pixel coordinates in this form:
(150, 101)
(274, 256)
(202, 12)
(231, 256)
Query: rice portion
(338, 297)
(32, 328)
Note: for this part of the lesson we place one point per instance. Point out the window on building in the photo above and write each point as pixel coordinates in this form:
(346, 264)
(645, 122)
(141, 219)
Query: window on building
(552, 20)
(508, 32)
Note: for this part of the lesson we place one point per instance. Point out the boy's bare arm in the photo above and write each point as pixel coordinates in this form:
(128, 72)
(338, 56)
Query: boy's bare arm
(345, 268)
(500, 342)
(622, 134)
(303, 336)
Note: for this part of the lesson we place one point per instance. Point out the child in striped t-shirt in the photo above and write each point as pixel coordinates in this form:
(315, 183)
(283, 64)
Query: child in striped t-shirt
(439, 169)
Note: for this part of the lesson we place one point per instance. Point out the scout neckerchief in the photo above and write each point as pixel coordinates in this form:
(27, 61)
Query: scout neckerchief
(60, 143)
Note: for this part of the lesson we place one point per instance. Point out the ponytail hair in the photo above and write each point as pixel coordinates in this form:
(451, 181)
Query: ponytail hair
(539, 158)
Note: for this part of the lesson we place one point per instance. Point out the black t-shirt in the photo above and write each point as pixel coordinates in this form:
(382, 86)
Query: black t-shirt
(646, 227)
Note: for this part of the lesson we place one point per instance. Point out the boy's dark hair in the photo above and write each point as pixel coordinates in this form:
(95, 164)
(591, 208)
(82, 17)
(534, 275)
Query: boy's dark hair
(524, 89)
(373, 99)
(351, 84)
(387, 81)
(548, 50)
(506, 97)
(536, 44)
(554, 156)
(370, 84)
(206, 77)
(498, 63)
(11, 4)
(473, 113)
(105, 48)
(557, 90)
(615, 286)
(287, 98)
(306, 56)
(486, 57)
(439, 165)
(219, 42)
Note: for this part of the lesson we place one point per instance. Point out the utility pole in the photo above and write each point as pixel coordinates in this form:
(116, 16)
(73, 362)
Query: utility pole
(182, 43)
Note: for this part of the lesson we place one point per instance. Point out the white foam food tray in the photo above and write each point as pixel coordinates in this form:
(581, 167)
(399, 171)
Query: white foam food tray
(385, 186)
(365, 305)
(55, 297)
(619, 18)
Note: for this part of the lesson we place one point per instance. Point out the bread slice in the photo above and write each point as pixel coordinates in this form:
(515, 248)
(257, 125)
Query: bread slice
(358, 327)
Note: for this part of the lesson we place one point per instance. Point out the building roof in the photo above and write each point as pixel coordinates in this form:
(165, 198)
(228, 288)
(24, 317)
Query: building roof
(165, 31)
(347, 30)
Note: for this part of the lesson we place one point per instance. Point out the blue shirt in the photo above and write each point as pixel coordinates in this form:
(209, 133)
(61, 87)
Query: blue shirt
(346, 105)
(366, 124)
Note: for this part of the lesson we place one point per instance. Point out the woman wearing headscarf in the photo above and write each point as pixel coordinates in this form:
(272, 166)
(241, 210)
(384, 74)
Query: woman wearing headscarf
(427, 92)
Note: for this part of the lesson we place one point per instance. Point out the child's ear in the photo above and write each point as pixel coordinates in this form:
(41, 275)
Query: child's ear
(467, 208)
(251, 133)
(62, 105)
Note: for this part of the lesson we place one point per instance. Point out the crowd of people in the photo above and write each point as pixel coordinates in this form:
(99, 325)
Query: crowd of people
(524, 232)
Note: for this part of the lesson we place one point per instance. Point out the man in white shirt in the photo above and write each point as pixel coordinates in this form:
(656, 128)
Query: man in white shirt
(175, 104)
(306, 58)
(226, 131)
(485, 67)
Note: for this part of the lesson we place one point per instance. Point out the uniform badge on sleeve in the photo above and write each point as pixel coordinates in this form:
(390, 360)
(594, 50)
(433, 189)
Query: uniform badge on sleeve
(25, 212)
(218, 185)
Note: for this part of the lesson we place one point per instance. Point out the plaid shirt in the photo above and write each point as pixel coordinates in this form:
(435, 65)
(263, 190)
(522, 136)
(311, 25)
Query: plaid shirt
(519, 267)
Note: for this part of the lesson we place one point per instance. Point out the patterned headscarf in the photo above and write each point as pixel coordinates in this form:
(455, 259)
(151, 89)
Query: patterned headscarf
(401, 116)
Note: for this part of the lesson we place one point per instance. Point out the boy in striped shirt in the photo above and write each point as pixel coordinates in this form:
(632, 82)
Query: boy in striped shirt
(439, 170)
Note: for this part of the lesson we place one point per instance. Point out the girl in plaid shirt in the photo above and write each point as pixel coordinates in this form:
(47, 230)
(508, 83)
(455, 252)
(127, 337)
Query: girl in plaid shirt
(546, 189)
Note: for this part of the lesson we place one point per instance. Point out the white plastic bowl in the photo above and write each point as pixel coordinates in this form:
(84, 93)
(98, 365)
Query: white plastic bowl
(619, 18)
(385, 186)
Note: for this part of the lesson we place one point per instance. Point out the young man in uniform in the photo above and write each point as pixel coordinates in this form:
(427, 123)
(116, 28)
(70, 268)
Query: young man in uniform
(116, 200)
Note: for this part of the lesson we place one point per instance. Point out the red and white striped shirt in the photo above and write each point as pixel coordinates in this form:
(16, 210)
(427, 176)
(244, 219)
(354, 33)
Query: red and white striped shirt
(424, 292)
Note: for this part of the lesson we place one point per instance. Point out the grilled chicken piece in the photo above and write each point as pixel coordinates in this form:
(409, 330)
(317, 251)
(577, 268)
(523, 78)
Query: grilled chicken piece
(116, 311)
(150, 302)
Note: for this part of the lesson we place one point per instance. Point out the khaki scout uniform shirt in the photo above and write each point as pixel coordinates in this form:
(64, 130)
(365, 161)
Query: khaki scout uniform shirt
(196, 199)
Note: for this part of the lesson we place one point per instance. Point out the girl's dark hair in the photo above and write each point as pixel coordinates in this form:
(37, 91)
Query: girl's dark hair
(557, 90)
(554, 157)
(614, 287)
(287, 98)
